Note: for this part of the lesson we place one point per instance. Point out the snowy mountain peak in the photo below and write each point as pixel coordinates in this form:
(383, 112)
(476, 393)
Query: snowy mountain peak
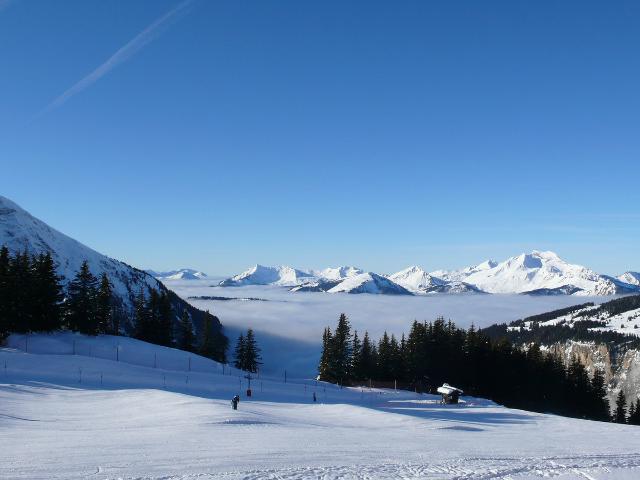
(369, 283)
(415, 279)
(263, 275)
(632, 278)
(181, 274)
(337, 273)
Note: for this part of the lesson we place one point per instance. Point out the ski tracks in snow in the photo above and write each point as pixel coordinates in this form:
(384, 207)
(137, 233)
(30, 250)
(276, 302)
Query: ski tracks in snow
(594, 467)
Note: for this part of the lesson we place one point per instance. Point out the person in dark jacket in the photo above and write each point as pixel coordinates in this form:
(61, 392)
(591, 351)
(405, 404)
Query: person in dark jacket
(234, 402)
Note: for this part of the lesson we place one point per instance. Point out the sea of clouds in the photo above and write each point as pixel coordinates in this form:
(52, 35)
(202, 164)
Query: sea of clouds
(289, 325)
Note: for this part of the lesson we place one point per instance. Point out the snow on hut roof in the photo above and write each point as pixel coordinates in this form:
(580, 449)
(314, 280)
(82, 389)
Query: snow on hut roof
(447, 389)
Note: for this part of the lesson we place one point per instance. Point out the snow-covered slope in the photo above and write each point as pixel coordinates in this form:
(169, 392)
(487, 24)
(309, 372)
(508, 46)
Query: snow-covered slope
(182, 274)
(262, 275)
(20, 231)
(632, 278)
(369, 283)
(78, 417)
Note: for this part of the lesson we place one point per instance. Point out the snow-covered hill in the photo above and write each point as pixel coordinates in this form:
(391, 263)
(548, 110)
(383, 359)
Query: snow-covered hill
(21, 231)
(182, 274)
(77, 416)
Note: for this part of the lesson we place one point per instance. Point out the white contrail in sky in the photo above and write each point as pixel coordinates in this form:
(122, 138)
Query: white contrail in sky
(122, 55)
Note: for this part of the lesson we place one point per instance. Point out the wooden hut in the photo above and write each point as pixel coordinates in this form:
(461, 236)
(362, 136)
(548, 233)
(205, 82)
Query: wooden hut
(449, 394)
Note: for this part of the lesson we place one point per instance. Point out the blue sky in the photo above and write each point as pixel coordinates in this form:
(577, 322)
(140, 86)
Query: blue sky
(218, 134)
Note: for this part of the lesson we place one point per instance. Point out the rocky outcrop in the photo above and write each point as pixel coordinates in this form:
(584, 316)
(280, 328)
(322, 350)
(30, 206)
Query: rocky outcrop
(621, 366)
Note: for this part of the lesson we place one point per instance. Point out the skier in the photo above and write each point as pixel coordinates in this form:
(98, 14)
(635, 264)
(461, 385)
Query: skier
(234, 402)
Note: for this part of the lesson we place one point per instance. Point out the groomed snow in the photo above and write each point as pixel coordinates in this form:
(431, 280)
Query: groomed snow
(120, 421)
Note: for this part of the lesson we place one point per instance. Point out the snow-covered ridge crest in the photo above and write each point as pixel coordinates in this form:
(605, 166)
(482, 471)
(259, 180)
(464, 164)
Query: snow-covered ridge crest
(632, 278)
(416, 280)
(262, 275)
(181, 274)
(535, 273)
(20, 231)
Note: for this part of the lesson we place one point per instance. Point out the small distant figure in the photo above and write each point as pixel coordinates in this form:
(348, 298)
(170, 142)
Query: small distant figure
(314, 397)
(235, 401)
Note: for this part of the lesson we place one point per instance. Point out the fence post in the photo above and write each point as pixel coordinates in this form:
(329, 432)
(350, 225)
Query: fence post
(79, 374)
(189, 362)
(100, 378)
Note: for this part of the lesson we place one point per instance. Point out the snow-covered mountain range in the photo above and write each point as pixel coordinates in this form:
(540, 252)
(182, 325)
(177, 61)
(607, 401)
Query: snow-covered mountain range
(535, 273)
(20, 231)
(181, 274)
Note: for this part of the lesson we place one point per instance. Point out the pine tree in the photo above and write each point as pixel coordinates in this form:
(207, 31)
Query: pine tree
(385, 357)
(240, 354)
(104, 308)
(81, 304)
(186, 338)
(368, 358)
(252, 353)
(165, 321)
(634, 418)
(600, 404)
(5, 292)
(220, 346)
(620, 415)
(207, 348)
(46, 295)
(578, 381)
(355, 370)
(324, 367)
(341, 349)
(143, 329)
(20, 281)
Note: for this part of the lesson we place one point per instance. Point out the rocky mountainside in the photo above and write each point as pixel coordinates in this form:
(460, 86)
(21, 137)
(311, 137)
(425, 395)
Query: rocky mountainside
(20, 231)
(604, 336)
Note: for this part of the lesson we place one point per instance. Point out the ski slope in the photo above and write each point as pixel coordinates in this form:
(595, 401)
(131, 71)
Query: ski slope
(65, 416)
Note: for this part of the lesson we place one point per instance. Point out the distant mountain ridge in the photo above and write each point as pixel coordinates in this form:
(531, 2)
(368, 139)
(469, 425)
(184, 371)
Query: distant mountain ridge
(535, 273)
(181, 274)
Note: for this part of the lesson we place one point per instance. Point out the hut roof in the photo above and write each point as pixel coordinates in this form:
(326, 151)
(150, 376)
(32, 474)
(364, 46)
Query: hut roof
(447, 389)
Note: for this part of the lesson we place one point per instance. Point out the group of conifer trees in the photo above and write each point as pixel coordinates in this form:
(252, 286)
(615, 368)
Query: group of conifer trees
(623, 415)
(247, 353)
(32, 299)
(438, 352)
